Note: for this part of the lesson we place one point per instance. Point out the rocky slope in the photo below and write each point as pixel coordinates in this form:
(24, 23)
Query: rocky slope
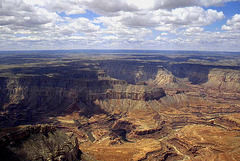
(131, 71)
(124, 107)
(223, 80)
(40, 142)
(133, 92)
(24, 97)
(168, 73)
(197, 142)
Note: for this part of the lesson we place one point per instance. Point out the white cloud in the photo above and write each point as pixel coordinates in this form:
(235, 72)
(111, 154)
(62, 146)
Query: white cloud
(82, 24)
(161, 38)
(135, 39)
(108, 7)
(166, 27)
(233, 24)
(208, 3)
(19, 14)
(6, 20)
(164, 34)
(206, 40)
(164, 20)
(121, 24)
(67, 6)
(194, 29)
(115, 25)
(189, 16)
(35, 18)
(110, 37)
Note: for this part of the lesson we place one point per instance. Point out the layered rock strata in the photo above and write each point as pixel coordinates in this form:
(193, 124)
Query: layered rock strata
(223, 80)
(39, 142)
(133, 92)
(23, 98)
(199, 142)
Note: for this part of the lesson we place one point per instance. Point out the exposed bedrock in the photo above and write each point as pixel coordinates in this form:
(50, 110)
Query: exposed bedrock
(133, 92)
(195, 73)
(167, 74)
(24, 98)
(134, 71)
(39, 142)
(223, 80)
(166, 80)
(13, 90)
(131, 71)
(231, 121)
(200, 142)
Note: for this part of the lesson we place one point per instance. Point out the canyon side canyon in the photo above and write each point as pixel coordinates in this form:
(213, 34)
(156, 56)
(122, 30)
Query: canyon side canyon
(120, 106)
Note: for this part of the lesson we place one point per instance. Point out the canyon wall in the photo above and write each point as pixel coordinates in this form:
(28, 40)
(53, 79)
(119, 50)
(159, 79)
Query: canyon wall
(223, 80)
(164, 74)
(39, 142)
(24, 98)
(118, 108)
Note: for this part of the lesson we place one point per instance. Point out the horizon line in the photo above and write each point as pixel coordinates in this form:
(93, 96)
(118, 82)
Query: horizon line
(149, 50)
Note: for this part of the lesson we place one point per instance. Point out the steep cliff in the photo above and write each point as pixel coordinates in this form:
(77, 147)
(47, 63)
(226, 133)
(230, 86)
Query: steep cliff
(23, 98)
(197, 117)
(165, 79)
(131, 71)
(167, 74)
(198, 142)
(223, 80)
(39, 142)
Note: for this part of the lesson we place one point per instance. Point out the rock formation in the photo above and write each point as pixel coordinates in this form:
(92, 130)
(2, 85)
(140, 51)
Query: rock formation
(39, 142)
(42, 94)
(121, 107)
(222, 80)
(197, 142)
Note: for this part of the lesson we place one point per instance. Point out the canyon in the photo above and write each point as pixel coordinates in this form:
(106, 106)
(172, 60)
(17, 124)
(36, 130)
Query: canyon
(117, 107)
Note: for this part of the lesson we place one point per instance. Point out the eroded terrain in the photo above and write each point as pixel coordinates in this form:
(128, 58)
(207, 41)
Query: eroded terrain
(128, 106)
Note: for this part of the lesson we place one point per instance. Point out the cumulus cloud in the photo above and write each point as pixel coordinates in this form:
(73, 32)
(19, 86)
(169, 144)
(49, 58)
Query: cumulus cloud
(161, 38)
(233, 24)
(110, 37)
(115, 25)
(164, 34)
(17, 14)
(107, 7)
(208, 3)
(78, 24)
(118, 23)
(67, 6)
(165, 20)
(6, 20)
(170, 4)
(194, 29)
(38, 18)
(167, 27)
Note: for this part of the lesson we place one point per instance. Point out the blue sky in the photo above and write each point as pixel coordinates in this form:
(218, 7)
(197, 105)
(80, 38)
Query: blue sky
(120, 24)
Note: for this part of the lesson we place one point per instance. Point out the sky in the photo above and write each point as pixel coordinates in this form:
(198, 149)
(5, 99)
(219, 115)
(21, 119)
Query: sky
(203, 25)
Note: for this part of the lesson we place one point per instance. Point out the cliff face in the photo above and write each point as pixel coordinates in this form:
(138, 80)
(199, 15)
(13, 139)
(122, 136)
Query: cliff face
(131, 71)
(223, 80)
(39, 142)
(196, 73)
(133, 92)
(197, 142)
(197, 118)
(135, 71)
(167, 75)
(24, 98)
(165, 79)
